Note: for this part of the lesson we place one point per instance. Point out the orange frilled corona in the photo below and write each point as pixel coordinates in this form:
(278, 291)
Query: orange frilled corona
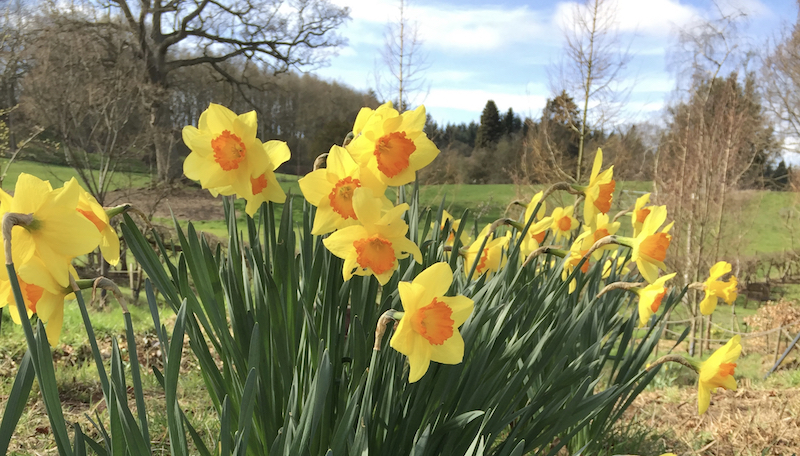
(374, 246)
(331, 190)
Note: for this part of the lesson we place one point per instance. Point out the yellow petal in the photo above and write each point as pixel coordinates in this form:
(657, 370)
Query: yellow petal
(436, 279)
(451, 351)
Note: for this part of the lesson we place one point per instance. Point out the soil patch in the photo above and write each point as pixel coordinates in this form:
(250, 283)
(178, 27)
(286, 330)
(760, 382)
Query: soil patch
(187, 203)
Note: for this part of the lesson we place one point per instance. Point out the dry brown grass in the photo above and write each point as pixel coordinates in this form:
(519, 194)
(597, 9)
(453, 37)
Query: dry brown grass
(743, 422)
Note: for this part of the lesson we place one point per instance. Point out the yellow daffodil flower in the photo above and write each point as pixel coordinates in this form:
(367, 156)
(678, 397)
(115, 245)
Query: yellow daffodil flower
(109, 241)
(392, 145)
(43, 250)
(640, 213)
(375, 246)
(717, 372)
(534, 237)
(428, 330)
(228, 159)
(716, 288)
(454, 225)
(577, 251)
(650, 246)
(622, 265)
(650, 298)
(490, 259)
(563, 222)
(49, 307)
(599, 228)
(600, 191)
(331, 190)
(532, 205)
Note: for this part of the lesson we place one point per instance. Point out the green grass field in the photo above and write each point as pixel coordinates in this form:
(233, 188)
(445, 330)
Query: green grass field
(57, 175)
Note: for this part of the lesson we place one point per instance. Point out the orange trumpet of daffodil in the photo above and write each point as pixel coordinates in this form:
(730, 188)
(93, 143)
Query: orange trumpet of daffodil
(375, 246)
(428, 330)
(563, 222)
(109, 241)
(392, 145)
(650, 246)
(228, 159)
(715, 288)
(600, 191)
(650, 298)
(534, 237)
(717, 372)
(331, 190)
(599, 228)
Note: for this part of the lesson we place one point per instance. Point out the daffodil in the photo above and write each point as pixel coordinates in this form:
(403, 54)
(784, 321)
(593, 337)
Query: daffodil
(535, 236)
(392, 145)
(622, 265)
(532, 205)
(331, 190)
(717, 372)
(580, 247)
(375, 246)
(600, 191)
(599, 228)
(563, 222)
(650, 298)
(490, 259)
(640, 213)
(650, 246)
(227, 157)
(44, 249)
(49, 307)
(454, 225)
(428, 330)
(109, 241)
(715, 288)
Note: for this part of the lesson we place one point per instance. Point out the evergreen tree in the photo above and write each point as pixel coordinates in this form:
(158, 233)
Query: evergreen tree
(511, 122)
(491, 129)
(780, 177)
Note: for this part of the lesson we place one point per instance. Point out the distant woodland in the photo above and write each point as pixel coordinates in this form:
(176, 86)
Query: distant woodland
(110, 86)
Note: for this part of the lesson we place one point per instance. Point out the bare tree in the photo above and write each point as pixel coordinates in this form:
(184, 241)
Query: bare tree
(781, 75)
(175, 34)
(87, 88)
(404, 62)
(12, 66)
(717, 139)
(594, 60)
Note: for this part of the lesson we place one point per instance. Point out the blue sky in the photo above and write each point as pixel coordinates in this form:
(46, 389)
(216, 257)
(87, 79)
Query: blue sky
(505, 50)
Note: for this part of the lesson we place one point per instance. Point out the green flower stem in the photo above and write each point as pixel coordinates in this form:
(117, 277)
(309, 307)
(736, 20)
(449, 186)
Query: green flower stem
(626, 241)
(675, 359)
(113, 211)
(390, 315)
(628, 286)
(544, 249)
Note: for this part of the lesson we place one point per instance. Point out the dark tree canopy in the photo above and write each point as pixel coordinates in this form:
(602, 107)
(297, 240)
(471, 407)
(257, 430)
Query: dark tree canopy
(491, 129)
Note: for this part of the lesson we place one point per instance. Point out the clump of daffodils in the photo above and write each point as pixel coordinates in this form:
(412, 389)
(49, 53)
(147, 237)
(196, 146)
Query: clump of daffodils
(54, 226)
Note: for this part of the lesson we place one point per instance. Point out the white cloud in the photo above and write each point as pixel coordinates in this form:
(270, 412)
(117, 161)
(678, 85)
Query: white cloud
(649, 18)
(475, 99)
(462, 29)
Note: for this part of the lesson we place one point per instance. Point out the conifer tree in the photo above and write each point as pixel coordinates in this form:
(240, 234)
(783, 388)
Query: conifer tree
(491, 129)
